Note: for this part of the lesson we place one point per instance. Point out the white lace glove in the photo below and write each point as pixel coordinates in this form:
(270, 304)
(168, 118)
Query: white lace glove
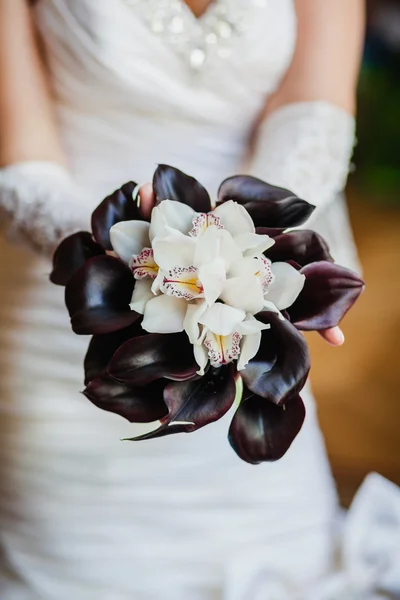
(305, 147)
(40, 204)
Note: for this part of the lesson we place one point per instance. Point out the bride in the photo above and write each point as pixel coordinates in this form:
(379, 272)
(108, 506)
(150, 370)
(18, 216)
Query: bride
(213, 88)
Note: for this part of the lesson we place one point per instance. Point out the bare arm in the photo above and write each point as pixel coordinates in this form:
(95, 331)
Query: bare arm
(27, 128)
(327, 56)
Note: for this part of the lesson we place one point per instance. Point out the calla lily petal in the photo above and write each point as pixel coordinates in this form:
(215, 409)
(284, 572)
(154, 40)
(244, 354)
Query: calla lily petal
(286, 286)
(71, 255)
(128, 238)
(222, 319)
(164, 314)
(141, 295)
(136, 404)
(194, 404)
(329, 292)
(144, 359)
(98, 296)
(303, 246)
(281, 366)
(267, 204)
(169, 216)
(102, 348)
(261, 431)
(171, 184)
(252, 244)
(245, 293)
(234, 218)
(117, 207)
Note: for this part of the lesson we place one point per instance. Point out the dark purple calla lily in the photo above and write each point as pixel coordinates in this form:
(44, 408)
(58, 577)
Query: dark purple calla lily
(136, 404)
(71, 255)
(171, 184)
(303, 247)
(76, 249)
(144, 359)
(117, 207)
(261, 431)
(329, 292)
(102, 348)
(98, 296)
(268, 205)
(194, 404)
(280, 368)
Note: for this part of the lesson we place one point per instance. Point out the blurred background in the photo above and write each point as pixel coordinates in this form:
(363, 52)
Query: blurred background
(358, 385)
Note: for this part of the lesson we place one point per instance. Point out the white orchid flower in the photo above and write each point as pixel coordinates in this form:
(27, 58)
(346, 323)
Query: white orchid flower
(205, 273)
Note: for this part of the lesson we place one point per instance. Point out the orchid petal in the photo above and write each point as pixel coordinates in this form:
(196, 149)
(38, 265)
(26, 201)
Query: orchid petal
(252, 325)
(118, 206)
(170, 215)
(208, 246)
(286, 286)
(244, 293)
(149, 357)
(201, 357)
(252, 244)
(129, 238)
(71, 255)
(261, 431)
(191, 322)
(329, 292)
(267, 205)
(194, 404)
(164, 314)
(176, 250)
(171, 184)
(222, 319)
(141, 295)
(228, 250)
(234, 218)
(248, 349)
(212, 277)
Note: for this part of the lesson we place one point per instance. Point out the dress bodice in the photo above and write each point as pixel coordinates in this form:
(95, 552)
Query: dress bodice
(147, 81)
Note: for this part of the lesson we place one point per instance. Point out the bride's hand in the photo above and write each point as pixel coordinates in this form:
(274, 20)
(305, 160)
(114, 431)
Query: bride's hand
(333, 336)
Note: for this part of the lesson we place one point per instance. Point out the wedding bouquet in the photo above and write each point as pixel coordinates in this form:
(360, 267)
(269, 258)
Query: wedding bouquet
(182, 306)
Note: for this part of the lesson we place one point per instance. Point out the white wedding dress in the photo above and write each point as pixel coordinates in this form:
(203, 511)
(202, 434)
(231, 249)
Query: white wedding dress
(85, 516)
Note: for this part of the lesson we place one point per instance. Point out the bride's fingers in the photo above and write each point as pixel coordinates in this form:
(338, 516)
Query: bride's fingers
(147, 199)
(333, 336)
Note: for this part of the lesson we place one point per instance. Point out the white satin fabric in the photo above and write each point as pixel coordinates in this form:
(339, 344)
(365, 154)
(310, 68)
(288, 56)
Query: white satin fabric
(83, 515)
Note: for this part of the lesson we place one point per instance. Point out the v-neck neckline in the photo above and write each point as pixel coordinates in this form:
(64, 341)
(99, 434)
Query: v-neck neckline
(197, 39)
(207, 10)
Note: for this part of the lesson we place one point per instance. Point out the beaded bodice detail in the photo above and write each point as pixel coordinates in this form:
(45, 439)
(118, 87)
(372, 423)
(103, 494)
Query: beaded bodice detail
(196, 39)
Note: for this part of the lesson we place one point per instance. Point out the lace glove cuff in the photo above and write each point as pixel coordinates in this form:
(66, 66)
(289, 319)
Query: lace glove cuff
(306, 147)
(40, 204)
